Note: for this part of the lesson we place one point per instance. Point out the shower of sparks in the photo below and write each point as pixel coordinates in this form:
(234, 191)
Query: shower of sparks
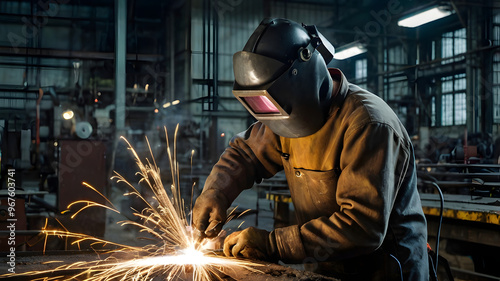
(173, 253)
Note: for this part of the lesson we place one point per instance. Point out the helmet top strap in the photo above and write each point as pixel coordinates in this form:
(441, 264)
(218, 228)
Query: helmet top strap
(317, 43)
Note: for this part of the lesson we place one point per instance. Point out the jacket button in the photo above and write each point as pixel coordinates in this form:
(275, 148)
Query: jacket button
(298, 173)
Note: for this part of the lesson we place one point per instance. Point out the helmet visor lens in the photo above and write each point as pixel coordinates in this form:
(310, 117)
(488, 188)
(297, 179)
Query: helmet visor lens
(260, 104)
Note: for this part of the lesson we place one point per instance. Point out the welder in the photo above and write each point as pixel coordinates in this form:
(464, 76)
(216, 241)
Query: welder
(348, 160)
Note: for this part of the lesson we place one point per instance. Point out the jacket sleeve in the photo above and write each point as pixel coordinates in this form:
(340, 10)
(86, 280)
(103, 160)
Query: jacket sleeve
(373, 164)
(251, 156)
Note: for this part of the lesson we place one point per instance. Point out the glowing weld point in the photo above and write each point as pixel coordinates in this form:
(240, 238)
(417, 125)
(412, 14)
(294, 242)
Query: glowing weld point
(187, 257)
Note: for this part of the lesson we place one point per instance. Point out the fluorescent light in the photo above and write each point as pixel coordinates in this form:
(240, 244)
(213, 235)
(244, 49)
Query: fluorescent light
(349, 50)
(423, 17)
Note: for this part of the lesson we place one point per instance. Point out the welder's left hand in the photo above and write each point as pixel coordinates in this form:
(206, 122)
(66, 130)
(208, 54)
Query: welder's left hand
(251, 243)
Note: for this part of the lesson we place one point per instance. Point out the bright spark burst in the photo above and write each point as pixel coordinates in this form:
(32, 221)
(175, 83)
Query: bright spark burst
(174, 254)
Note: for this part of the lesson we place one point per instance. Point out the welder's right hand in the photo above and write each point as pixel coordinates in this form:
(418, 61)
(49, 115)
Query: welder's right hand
(209, 212)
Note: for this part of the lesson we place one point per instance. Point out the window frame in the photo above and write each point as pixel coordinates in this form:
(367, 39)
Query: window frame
(453, 101)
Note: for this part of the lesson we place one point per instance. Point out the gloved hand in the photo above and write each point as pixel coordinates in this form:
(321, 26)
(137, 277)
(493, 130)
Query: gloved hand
(251, 243)
(209, 212)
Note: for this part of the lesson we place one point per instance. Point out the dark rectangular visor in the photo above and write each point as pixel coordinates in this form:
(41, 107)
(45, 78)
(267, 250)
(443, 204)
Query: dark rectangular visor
(260, 104)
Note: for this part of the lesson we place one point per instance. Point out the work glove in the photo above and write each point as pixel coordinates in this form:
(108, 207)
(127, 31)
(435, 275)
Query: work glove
(209, 212)
(252, 243)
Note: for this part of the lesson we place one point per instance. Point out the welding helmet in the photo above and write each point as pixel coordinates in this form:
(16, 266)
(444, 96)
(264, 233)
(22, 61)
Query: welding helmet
(281, 77)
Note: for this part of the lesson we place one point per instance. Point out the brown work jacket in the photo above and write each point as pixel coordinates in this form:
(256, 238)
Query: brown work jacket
(353, 186)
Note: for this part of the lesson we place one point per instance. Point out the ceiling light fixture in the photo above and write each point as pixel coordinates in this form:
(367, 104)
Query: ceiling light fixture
(425, 16)
(349, 50)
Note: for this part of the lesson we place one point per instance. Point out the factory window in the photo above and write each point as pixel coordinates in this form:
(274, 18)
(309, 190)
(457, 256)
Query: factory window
(395, 82)
(433, 111)
(452, 44)
(433, 51)
(447, 107)
(496, 88)
(395, 58)
(361, 70)
(396, 88)
(496, 29)
(453, 100)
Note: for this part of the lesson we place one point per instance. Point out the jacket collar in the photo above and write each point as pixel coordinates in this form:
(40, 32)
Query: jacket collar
(343, 89)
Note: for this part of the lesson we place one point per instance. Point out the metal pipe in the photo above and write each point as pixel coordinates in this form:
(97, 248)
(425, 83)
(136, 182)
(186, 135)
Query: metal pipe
(189, 49)
(209, 34)
(214, 118)
(171, 29)
(37, 140)
(68, 54)
(216, 60)
(204, 38)
(204, 76)
(120, 63)
(120, 72)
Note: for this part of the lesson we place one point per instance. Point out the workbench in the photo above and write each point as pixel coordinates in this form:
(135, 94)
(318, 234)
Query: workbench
(464, 207)
(470, 226)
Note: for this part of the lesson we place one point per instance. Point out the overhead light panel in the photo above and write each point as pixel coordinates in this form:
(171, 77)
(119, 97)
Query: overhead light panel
(349, 50)
(425, 16)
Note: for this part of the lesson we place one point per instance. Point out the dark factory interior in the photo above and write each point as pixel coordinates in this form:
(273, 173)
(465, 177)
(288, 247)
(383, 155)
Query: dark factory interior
(101, 100)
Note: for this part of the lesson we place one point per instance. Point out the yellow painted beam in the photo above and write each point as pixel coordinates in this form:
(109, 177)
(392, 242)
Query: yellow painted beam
(492, 218)
(279, 198)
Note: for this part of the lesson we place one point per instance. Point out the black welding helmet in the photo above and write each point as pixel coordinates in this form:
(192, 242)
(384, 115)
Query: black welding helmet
(281, 77)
